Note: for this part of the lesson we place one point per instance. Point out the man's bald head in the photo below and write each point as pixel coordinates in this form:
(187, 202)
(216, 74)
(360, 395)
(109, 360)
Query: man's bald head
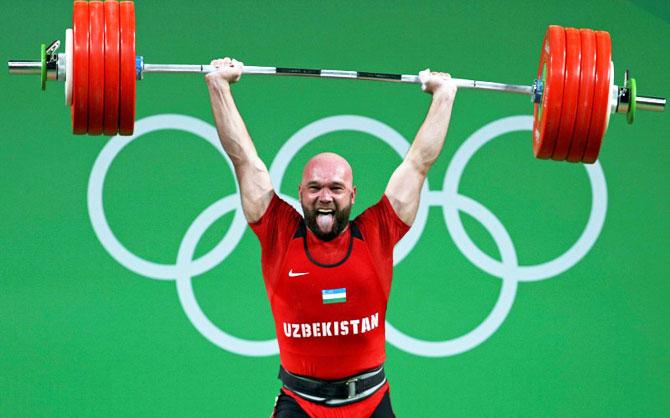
(328, 165)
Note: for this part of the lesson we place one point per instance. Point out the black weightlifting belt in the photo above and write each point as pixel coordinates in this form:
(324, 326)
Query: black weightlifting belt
(334, 392)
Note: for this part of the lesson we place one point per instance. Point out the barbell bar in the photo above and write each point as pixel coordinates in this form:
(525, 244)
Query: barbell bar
(573, 94)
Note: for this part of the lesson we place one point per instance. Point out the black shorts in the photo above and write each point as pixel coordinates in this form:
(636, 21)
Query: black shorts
(287, 407)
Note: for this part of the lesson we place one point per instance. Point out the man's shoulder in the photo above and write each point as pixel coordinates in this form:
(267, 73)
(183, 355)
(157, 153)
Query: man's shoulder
(371, 213)
(279, 220)
(381, 217)
(279, 208)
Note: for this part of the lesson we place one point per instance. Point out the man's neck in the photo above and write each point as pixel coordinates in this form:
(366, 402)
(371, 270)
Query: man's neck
(328, 251)
(315, 236)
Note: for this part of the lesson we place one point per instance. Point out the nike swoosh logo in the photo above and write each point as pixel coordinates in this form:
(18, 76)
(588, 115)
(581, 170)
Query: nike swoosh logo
(292, 274)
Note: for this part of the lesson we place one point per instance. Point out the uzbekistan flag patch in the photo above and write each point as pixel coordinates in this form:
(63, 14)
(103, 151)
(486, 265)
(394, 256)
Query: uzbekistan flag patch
(334, 295)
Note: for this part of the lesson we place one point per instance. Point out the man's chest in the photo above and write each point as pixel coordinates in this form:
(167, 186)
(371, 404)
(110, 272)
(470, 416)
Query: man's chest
(307, 290)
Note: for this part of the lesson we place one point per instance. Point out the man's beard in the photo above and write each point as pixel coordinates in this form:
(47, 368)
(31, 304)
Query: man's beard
(340, 222)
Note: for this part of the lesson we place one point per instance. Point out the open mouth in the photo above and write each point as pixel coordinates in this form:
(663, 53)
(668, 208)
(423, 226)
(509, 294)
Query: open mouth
(325, 219)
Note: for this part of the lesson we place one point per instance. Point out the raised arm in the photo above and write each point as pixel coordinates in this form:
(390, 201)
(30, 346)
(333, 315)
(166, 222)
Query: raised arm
(252, 174)
(404, 187)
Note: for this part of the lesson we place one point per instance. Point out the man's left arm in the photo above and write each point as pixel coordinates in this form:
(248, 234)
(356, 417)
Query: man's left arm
(404, 187)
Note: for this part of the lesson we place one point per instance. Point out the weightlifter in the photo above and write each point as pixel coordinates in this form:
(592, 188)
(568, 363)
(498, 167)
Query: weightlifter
(328, 278)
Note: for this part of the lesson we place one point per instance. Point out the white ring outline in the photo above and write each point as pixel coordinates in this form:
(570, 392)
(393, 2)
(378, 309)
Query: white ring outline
(185, 288)
(500, 310)
(485, 262)
(96, 210)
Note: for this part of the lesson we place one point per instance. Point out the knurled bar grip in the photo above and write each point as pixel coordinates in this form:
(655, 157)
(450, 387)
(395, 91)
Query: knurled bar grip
(359, 75)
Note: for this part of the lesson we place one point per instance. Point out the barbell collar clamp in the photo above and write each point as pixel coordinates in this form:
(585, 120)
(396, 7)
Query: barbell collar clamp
(537, 90)
(51, 50)
(648, 103)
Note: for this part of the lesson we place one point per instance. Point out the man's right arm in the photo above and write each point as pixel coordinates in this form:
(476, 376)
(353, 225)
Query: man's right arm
(252, 175)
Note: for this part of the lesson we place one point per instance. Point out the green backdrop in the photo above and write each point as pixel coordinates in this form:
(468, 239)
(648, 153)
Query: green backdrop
(580, 320)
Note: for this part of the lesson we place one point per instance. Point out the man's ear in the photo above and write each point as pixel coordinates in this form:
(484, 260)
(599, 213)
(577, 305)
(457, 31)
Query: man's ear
(300, 193)
(353, 195)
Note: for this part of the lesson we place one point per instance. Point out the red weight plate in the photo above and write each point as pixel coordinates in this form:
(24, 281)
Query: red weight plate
(601, 97)
(585, 102)
(573, 63)
(111, 106)
(127, 98)
(80, 68)
(547, 115)
(96, 66)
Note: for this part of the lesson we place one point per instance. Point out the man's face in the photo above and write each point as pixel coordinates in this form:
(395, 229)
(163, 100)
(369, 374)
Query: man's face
(327, 194)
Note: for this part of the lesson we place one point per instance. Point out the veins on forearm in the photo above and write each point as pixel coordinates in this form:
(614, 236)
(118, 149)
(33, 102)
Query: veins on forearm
(232, 131)
(429, 140)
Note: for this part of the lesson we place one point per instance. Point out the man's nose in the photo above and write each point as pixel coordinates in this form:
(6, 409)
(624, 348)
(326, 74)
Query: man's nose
(325, 195)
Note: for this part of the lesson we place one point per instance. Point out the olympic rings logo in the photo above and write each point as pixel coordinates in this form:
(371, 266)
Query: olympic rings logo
(451, 201)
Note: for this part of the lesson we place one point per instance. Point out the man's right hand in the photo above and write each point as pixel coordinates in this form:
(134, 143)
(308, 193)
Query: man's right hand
(228, 71)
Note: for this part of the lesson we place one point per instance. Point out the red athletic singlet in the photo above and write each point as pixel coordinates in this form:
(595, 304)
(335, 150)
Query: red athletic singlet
(329, 299)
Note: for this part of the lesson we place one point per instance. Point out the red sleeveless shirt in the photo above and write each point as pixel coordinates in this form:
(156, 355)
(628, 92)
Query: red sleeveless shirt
(329, 299)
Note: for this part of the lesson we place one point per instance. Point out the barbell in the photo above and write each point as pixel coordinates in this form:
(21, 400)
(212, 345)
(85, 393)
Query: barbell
(573, 94)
